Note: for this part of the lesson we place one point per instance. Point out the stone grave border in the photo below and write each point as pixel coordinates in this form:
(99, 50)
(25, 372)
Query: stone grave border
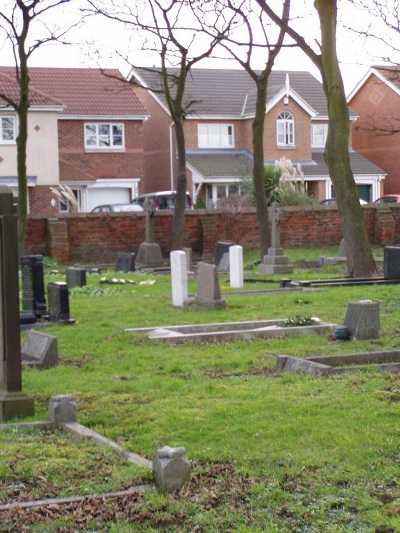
(230, 331)
(388, 361)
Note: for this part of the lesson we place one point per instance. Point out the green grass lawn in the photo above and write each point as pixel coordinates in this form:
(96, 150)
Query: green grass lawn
(270, 452)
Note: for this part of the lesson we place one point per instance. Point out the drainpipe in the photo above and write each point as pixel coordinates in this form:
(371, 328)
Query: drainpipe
(171, 161)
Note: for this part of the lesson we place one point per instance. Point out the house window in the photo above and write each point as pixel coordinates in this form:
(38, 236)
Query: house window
(215, 135)
(319, 134)
(285, 129)
(7, 132)
(104, 136)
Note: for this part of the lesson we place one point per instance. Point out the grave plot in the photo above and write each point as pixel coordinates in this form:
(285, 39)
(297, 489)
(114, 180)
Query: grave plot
(323, 365)
(231, 331)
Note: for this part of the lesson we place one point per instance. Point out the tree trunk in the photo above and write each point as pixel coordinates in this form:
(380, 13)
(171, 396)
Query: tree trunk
(359, 256)
(177, 233)
(258, 168)
(22, 139)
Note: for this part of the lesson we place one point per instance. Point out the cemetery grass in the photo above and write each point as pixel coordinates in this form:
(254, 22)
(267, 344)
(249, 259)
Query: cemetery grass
(270, 452)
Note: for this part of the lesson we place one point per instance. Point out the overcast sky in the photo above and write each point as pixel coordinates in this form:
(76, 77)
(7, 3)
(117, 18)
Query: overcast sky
(355, 55)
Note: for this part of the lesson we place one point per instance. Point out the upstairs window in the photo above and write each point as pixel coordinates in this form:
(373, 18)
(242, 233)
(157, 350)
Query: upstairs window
(319, 133)
(285, 129)
(7, 130)
(215, 135)
(104, 136)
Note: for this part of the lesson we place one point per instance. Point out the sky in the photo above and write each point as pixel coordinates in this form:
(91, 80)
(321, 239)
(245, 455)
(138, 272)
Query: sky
(110, 39)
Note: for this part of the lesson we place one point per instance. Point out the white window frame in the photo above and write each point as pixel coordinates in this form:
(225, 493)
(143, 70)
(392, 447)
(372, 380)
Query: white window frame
(285, 129)
(215, 135)
(97, 135)
(2, 139)
(318, 140)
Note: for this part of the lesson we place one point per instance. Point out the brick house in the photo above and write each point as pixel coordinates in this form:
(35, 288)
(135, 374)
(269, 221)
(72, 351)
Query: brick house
(96, 145)
(376, 132)
(218, 130)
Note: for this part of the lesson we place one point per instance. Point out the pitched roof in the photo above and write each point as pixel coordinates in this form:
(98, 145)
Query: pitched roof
(10, 88)
(390, 73)
(231, 92)
(85, 91)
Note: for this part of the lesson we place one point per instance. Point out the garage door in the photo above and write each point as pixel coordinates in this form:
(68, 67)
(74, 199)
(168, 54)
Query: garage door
(108, 195)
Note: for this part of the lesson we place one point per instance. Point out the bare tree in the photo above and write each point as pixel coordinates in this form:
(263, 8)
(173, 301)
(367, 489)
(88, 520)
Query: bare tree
(171, 33)
(359, 258)
(17, 25)
(252, 23)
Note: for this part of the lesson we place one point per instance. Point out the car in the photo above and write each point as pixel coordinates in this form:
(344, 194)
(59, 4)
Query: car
(117, 208)
(388, 199)
(332, 201)
(162, 200)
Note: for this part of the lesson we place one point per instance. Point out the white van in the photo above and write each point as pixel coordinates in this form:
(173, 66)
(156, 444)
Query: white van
(162, 200)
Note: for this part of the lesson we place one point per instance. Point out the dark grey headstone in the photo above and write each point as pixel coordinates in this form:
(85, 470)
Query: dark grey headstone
(75, 277)
(391, 262)
(40, 350)
(363, 320)
(125, 262)
(33, 298)
(58, 299)
(221, 248)
(27, 320)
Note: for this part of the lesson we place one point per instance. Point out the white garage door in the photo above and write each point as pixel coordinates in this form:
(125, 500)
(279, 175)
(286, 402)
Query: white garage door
(97, 196)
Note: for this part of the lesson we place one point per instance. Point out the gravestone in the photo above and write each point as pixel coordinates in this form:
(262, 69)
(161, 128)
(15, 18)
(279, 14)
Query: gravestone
(33, 298)
(208, 290)
(62, 408)
(171, 469)
(178, 261)
(342, 248)
(149, 253)
(362, 320)
(391, 262)
(125, 262)
(222, 254)
(75, 277)
(188, 252)
(13, 403)
(275, 262)
(58, 299)
(40, 350)
(236, 267)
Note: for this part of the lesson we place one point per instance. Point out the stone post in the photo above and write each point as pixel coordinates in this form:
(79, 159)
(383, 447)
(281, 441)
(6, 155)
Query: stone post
(171, 468)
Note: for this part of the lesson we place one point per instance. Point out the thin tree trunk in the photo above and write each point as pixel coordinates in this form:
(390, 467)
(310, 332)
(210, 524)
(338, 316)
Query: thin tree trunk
(177, 233)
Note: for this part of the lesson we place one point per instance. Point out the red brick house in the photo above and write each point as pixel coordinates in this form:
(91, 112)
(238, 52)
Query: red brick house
(218, 130)
(376, 132)
(97, 142)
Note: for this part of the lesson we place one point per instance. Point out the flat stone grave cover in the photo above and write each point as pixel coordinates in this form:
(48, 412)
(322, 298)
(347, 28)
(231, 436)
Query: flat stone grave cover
(40, 350)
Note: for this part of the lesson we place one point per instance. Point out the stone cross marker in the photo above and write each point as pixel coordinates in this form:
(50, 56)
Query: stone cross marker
(13, 403)
(149, 209)
(275, 217)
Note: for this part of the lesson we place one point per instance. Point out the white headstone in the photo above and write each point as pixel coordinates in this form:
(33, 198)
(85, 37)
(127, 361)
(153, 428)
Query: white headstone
(236, 267)
(179, 278)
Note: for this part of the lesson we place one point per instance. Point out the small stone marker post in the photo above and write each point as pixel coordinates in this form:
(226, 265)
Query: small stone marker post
(179, 278)
(75, 277)
(62, 408)
(171, 468)
(236, 266)
(13, 403)
(363, 320)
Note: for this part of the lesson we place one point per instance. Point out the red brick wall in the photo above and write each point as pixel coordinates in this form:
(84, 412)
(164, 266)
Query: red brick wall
(375, 103)
(95, 238)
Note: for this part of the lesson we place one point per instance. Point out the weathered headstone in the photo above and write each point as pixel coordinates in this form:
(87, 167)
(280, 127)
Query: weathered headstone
(33, 298)
(75, 277)
(221, 249)
(58, 299)
(13, 403)
(171, 469)
(62, 408)
(275, 262)
(40, 350)
(208, 290)
(363, 320)
(179, 278)
(391, 262)
(125, 262)
(236, 266)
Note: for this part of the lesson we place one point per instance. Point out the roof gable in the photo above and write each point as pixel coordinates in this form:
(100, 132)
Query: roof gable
(389, 75)
(85, 91)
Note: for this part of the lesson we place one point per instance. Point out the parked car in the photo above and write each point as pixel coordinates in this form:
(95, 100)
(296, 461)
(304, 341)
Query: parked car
(162, 200)
(388, 199)
(332, 201)
(117, 208)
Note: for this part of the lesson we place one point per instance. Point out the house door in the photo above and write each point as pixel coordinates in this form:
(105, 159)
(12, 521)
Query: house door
(364, 192)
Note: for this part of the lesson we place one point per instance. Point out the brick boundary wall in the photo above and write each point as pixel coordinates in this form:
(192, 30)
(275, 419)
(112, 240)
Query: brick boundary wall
(96, 237)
